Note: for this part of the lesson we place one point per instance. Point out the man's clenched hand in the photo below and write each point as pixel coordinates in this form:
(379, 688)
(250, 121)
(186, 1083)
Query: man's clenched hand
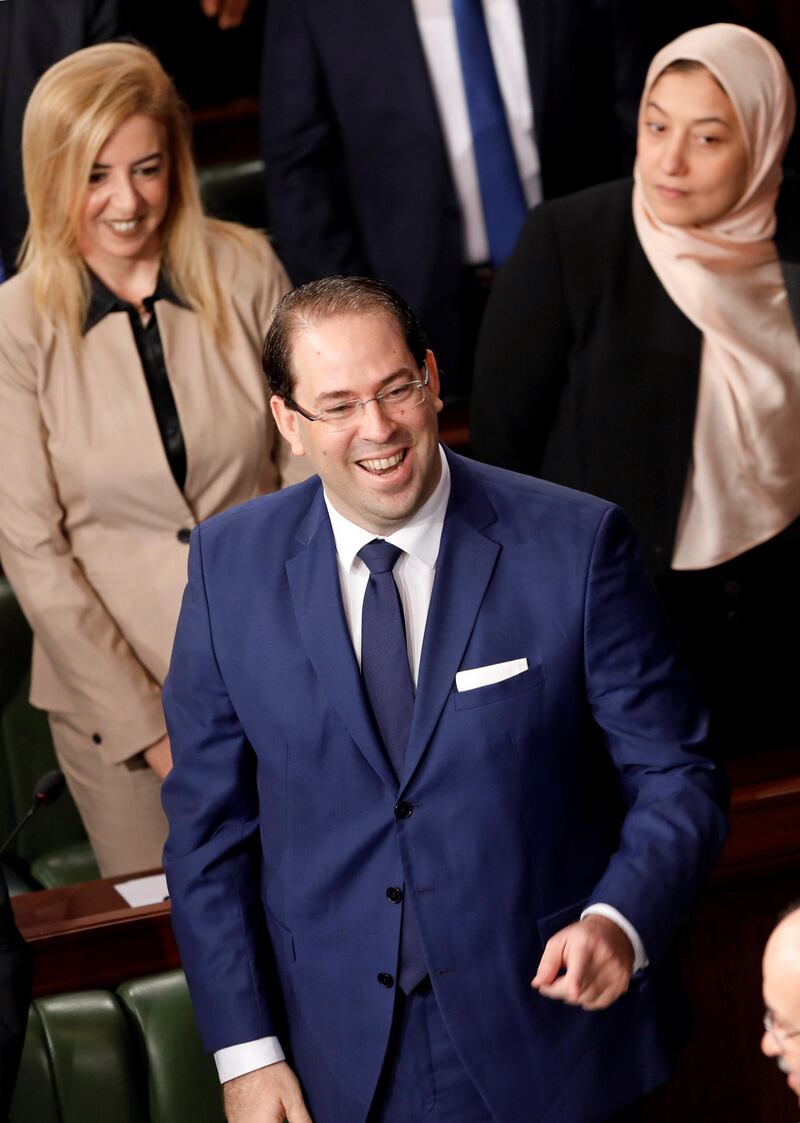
(598, 960)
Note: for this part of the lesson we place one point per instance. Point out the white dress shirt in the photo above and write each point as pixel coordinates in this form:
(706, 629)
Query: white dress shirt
(440, 44)
(414, 574)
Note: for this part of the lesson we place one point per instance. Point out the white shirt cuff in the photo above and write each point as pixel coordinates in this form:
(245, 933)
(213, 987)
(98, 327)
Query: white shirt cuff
(236, 1060)
(640, 960)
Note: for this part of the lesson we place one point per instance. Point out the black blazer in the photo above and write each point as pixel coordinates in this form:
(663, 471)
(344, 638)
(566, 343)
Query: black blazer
(358, 179)
(33, 35)
(586, 372)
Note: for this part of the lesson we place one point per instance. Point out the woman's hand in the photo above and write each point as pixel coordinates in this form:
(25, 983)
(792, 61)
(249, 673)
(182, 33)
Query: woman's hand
(159, 756)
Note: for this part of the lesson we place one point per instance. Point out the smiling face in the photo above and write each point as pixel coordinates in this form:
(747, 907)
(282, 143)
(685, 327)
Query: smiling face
(781, 987)
(691, 153)
(127, 196)
(381, 471)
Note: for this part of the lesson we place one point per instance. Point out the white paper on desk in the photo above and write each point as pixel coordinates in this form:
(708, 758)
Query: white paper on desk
(144, 890)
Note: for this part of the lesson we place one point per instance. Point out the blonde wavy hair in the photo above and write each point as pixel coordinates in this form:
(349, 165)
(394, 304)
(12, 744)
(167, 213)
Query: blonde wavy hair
(74, 109)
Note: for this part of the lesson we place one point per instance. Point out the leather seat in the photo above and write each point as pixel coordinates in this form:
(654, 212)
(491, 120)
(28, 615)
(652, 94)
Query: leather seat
(235, 191)
(78, 1064)
(182, 1079)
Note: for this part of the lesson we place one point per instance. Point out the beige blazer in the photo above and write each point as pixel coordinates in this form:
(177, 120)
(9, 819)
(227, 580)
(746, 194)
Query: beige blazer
(93, 528)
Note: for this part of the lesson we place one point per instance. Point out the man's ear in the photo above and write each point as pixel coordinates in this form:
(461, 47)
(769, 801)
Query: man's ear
(433, 381)
(287, 421)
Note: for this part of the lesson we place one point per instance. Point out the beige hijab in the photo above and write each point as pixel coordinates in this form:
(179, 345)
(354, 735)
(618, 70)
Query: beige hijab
(743, 485)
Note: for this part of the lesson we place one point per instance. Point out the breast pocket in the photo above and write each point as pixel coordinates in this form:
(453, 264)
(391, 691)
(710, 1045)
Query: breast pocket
(500, 691)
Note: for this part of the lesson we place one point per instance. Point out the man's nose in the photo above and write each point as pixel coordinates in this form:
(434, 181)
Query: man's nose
(376, 425)
(769, 1046)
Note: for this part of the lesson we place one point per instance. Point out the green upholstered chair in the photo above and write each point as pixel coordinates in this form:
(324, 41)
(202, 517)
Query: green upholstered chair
(130, 1057)
(35, 1095)
(54, 841)
(182, 1082)
(235, 191)
(78, 1064)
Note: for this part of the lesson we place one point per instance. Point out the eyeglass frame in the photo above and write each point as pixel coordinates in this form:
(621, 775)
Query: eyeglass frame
(363, 402)
(780, 1036)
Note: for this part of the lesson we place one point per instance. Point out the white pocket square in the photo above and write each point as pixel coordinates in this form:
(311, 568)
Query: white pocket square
(485, 676)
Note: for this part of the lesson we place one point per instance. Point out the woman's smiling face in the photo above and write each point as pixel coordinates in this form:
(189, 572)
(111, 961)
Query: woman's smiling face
(127, 196)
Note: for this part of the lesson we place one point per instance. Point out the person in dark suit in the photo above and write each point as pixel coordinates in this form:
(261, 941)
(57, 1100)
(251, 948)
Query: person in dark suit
(15, 997)
(650, 341)
(32, 38)
(431, 747)
(373, 162)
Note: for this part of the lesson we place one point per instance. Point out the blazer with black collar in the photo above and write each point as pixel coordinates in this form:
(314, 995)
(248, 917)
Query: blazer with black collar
(583, 778)
(587, 372)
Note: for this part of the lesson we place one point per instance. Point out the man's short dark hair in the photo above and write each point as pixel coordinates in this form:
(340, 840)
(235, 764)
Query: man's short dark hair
(332, 296)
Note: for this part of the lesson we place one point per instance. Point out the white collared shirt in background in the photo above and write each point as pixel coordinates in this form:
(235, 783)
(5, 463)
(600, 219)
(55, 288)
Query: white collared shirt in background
(439, 42)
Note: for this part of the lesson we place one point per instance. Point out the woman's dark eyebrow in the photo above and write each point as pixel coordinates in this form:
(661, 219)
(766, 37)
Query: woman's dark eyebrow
(141, 160)
(146, 159)
(697, 120)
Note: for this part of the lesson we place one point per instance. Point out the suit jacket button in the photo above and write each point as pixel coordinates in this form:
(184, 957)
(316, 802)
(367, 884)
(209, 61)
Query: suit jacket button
(404, 810)
(184, 534)
(98, 740)
(394, 894)
(385, 980)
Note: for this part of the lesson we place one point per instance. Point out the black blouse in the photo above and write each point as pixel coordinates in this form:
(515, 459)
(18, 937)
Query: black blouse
(148, 343)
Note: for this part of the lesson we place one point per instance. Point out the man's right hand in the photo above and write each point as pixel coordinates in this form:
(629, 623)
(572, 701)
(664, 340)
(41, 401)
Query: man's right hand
(266, 1095)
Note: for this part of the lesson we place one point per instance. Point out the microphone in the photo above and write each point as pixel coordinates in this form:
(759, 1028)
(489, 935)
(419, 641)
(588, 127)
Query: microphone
(46, 790)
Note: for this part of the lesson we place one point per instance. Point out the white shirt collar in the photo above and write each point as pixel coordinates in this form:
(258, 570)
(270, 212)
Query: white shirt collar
(419, 537)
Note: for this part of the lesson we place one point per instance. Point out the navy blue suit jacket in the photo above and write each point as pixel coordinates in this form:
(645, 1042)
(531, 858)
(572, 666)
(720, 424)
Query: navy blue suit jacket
(582, 779)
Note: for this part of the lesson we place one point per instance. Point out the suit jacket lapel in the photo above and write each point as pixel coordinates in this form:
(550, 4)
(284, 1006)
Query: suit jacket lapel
(314, 582)
(464, 568)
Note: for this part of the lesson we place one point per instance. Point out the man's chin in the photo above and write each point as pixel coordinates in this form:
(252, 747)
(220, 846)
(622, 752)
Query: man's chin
(792, 1077)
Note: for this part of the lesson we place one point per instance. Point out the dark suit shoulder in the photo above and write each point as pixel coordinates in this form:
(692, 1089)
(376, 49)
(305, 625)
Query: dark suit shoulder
(280, 513)
(527, 506)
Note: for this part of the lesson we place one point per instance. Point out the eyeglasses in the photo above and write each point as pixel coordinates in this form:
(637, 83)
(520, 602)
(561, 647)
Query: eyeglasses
(781, 1036)
(394, 401)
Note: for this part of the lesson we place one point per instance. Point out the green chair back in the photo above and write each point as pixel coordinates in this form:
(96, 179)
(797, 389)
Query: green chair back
(182, 1078)
(78, 1064)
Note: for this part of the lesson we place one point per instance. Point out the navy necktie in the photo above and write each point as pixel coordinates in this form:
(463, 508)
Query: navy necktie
(387, 678)
(384, 651)
(501, 187)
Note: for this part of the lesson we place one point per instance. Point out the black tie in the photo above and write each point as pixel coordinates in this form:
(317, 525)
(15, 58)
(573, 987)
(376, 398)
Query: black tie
(387, 677)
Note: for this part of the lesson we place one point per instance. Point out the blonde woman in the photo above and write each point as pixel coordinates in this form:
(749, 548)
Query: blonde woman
(132, 406)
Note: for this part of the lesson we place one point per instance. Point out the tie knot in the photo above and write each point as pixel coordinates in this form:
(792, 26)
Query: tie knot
(379, 556)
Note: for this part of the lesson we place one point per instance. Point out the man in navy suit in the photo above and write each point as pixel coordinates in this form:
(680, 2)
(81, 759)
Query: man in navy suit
(370, 144)
(435, 879)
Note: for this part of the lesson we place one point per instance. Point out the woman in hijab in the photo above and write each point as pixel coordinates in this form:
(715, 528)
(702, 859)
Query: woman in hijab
(643, 344)
(132, 405)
